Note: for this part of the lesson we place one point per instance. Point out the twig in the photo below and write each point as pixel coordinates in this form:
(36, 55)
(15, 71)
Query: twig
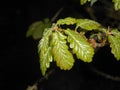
(46, 76)
(35, 85)
(57, 14)
(105, 75)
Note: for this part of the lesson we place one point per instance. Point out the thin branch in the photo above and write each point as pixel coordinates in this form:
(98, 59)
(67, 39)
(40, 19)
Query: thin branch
(105, 75)
(56, 15)
(35, 85)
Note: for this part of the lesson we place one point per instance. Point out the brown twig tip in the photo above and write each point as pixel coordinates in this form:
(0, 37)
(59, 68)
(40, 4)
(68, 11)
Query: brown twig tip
(55, 28)
(109, 28)
(109, 31)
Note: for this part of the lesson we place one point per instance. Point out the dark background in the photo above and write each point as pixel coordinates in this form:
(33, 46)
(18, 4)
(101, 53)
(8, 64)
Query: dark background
(19, 62)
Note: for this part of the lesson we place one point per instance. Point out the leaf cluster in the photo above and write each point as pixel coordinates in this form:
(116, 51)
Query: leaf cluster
(59, 44)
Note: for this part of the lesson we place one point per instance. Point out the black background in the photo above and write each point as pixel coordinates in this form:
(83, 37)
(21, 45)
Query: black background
(19, 62)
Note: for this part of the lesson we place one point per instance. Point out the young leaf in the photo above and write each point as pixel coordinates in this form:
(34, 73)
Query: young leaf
(45, 59)
(116, 4)
(44, 51)
(36, 29)
(67, 21)
(80, 46)
(87, 24)
(92, 2)
(115, 45)
(33, 27)
(84, 1)
(116, 33)
(62, 56)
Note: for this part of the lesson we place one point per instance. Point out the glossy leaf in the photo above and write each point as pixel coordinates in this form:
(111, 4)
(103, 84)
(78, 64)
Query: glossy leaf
(115, 45)
(45, 59)
(87, 24)
(44, 51)
(116, 4)
(67, 21)
(62, 56)
(80, 46)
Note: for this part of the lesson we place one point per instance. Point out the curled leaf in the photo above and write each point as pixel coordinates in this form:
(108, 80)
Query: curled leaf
(44, 51)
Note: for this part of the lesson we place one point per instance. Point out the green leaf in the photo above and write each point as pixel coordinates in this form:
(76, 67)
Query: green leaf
(115, 45)
(116, 33)
(46, 20)
(84, 1)
(45, 59)
(36, 29)
(80, 46)
(87, 24)
(67, 21)
(44, 51)
(116, 4)
(92, 2)
(62, 56)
